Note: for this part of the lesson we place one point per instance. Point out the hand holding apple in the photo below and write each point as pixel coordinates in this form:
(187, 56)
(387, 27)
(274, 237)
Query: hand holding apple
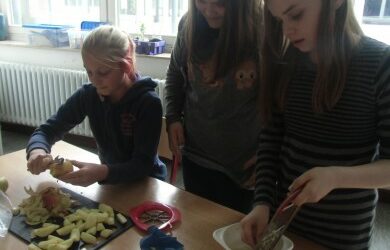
(60, 167)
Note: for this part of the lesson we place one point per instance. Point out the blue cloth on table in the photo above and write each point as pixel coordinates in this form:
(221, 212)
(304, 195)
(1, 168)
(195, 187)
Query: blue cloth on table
(158, 240)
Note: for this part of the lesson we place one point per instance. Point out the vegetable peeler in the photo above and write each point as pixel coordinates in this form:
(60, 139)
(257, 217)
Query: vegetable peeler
(279, 222)
(58, 160)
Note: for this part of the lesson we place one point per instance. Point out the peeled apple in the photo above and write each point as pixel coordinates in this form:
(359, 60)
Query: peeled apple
(57, 169)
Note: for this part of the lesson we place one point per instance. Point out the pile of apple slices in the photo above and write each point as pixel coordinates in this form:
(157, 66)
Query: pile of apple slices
(84, 224)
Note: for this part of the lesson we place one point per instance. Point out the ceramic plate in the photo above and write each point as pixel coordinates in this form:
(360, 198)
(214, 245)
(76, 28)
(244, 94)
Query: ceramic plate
(229, 238)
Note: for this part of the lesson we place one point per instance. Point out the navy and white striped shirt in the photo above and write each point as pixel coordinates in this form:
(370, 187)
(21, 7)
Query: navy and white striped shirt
(348, 135)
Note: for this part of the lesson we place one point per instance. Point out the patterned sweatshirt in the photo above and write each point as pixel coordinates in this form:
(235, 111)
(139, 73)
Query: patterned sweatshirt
(220, 117)
(348, 135)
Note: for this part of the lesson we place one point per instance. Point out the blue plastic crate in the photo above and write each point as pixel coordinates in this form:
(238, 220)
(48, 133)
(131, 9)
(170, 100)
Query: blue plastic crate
(90, 25)
(138, 48)
(153, 47)
(3, 27)
(48, 34)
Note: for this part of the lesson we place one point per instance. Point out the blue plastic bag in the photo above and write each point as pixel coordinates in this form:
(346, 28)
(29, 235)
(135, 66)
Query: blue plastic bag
(158, 240)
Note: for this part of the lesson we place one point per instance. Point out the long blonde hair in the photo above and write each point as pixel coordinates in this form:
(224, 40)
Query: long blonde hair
(108, 44)
(338, 35)
(239, 37)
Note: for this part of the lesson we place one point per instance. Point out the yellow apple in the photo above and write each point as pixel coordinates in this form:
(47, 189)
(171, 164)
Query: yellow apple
(57, 169)
(3, 184)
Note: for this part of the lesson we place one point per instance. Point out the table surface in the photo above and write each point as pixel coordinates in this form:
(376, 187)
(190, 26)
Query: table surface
(200, 217)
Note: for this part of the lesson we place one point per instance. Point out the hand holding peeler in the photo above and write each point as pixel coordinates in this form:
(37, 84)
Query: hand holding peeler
(279, 222)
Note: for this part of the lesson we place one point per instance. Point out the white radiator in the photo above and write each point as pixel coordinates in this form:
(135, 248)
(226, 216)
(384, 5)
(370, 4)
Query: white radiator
(160, 91)
(30, 94)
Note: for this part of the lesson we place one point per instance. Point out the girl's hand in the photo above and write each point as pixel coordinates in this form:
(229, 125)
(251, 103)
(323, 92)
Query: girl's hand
(87, 174)
(176, 138)
(254, 224)
(38, 161)
(316, 183)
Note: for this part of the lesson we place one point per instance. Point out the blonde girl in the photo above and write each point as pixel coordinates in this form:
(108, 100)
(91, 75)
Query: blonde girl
(123, 110)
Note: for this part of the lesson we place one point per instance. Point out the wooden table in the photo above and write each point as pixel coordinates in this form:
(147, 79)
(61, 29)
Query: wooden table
(200, 217)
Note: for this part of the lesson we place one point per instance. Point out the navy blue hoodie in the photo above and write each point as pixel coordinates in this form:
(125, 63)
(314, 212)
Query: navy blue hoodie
(127, 133)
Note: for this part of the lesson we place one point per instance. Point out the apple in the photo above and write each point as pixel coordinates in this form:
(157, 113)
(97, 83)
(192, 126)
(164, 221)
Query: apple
(57, 169)
(3, 184)
(15, 211)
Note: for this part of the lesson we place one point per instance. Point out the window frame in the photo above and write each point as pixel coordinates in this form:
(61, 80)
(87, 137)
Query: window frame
(381, 19)
(109, 12)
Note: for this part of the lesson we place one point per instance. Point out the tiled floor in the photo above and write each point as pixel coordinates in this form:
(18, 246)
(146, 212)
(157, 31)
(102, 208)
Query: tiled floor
(381, 239)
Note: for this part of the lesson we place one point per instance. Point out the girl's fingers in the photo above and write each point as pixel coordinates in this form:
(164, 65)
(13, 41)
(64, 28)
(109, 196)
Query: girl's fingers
(78, 164)
(299, 182)
(180, 144)
(246, 235)
(179, 156)
(173, 143)
(70, 176)
(180, 137)
(37, 164)
(46, 162)
(74, 178)
(177, 145)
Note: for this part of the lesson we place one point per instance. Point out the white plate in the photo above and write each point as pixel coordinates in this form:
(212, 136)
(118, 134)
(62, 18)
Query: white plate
(229, 238)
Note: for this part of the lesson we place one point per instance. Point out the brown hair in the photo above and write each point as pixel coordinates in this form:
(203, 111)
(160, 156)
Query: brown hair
(239, 37)
(338, 35)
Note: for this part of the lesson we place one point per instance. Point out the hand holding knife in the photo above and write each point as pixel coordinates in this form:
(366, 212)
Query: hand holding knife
(279, 222)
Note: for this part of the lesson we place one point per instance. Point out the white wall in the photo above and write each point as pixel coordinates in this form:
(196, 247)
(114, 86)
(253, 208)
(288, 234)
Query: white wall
(153, 66)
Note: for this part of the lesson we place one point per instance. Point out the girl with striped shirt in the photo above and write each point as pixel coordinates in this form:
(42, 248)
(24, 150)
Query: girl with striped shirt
(325, 105)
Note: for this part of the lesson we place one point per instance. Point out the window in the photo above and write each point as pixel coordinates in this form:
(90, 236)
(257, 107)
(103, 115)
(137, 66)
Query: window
(156, 17)
(70, 12)
(374, 18)
(153, 17)
(376, 11)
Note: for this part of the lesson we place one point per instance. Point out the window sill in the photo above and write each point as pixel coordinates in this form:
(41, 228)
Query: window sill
(154, 66)
(26, 45)
(14, 43)
(161, 56)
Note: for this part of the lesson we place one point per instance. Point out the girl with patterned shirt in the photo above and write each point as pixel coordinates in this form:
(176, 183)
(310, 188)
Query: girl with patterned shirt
(211, 96)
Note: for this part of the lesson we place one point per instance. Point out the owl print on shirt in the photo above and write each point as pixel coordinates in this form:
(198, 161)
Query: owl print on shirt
(244, 76)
